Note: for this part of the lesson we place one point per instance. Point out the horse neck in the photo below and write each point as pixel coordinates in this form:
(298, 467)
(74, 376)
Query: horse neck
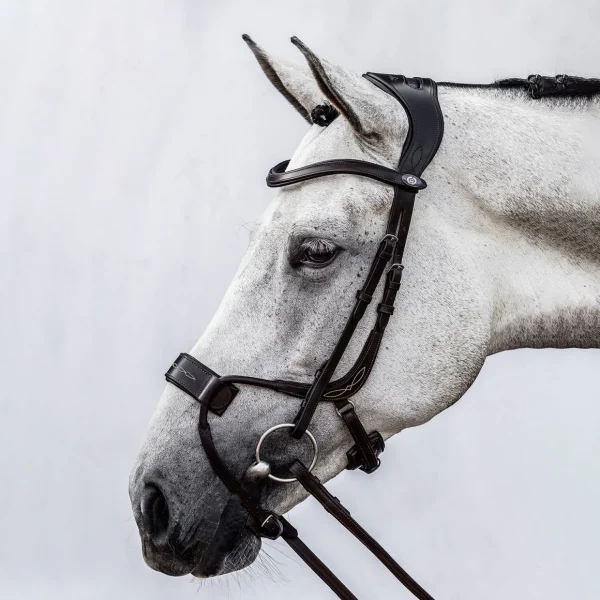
(526, 175)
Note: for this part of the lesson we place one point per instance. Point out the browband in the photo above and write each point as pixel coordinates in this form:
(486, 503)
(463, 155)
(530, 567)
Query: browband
(278, 176)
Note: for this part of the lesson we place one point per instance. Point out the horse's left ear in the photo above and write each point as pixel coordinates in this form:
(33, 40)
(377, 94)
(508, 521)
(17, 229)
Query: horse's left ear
(355, 98)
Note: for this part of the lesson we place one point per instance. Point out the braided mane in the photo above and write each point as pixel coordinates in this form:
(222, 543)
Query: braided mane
(540, 86)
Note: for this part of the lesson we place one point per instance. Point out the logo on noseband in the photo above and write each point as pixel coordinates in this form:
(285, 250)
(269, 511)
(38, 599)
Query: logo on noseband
(182, 370)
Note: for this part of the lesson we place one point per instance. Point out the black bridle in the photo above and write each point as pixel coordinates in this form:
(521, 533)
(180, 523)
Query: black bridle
(214, 393)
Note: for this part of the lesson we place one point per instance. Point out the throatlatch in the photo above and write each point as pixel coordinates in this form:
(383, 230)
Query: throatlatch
(214, 393)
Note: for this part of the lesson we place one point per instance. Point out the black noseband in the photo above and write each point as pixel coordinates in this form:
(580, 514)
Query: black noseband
(201, 383)
(419, 99)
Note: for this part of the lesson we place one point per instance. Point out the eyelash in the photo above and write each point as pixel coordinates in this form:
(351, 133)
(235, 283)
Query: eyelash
(314, 246)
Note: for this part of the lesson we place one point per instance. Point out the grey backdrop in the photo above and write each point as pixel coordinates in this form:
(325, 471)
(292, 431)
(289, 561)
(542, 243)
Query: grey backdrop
(118, 123)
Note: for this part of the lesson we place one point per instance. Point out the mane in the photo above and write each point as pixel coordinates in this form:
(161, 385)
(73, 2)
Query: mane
(538, 86)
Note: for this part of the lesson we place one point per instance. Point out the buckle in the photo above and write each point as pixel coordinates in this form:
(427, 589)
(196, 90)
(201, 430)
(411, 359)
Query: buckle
(372, 469)
(348, 406)
(271, 528)
(387, 250)
(394, 276)
(355, 458)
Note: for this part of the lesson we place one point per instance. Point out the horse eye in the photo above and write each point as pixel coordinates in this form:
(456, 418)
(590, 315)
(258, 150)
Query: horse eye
(316, 253)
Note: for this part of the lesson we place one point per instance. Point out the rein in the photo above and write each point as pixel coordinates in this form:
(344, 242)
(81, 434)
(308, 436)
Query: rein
(418, 97)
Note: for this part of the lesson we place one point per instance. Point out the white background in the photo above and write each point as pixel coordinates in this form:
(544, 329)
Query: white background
(134, 141)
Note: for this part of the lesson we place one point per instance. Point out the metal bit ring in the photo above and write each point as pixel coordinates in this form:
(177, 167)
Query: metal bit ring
(311, 437)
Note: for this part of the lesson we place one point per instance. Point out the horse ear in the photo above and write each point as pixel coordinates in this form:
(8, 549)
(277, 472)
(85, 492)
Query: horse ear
(295, 83)
(351, 94)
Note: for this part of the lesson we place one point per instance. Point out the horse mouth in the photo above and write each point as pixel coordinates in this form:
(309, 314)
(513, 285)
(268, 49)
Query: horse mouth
(201, 549)
(228, 553)
(233, 545)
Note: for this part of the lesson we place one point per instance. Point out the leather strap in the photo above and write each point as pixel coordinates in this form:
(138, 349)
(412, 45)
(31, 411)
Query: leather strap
(368, 455)
(278, 176)
(400, 217)
(335, 508)
(290, 535)
(341, 389)
(385, 308)
(266, 523)
(317, 389)
(426, 126)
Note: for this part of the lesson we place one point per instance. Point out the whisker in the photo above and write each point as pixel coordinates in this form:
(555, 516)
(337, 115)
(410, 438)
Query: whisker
(288, 556)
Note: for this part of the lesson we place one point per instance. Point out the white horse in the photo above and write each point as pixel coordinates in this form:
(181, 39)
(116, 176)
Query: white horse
(503, 253)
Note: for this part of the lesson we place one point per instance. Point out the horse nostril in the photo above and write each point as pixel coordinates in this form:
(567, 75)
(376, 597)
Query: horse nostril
(155, 513)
